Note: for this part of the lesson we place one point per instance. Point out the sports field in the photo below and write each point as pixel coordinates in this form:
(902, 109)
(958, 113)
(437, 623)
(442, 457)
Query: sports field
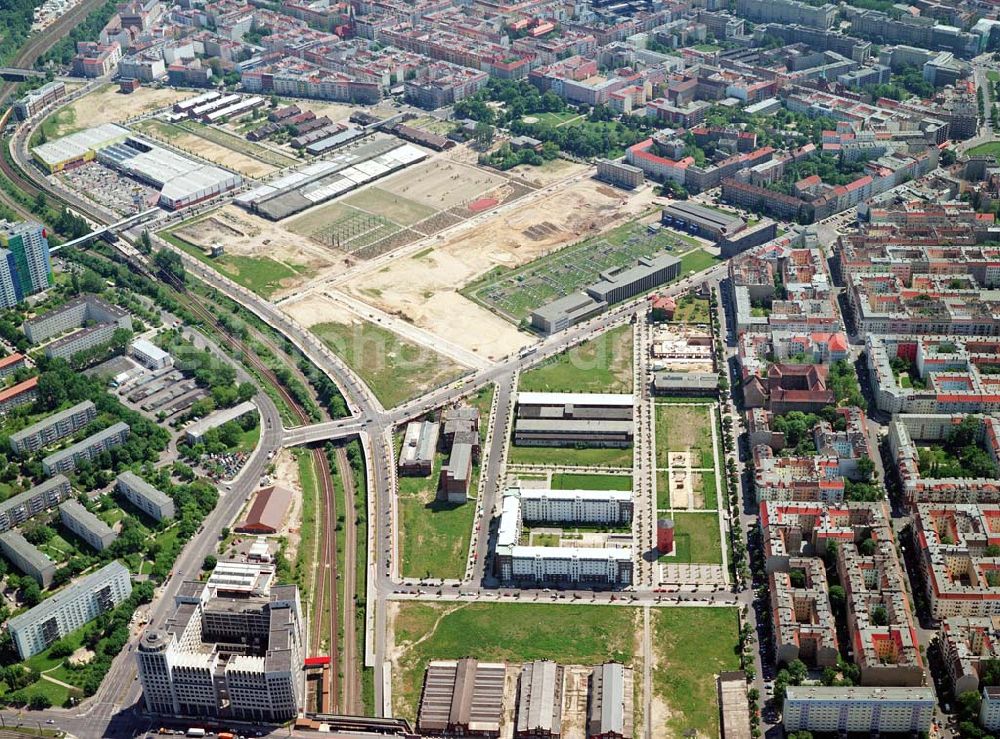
(515, 293)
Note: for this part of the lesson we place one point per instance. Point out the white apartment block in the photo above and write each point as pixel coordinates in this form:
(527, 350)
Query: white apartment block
(66, 460)
(52, 429)
(75, 517)
(859, 710)
(579, 565)
(70, 609)
(148, 499)
(611, 507)
(226, 655)
(42, 497)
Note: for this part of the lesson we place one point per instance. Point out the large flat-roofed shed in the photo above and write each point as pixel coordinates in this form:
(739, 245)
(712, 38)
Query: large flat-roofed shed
(539, 700)
(734, 705)
(697, 219)
(463, 697)
(567, 311)
(609, 705)
(685, 383)
(621, 284)
(569, 419)
(267, 512)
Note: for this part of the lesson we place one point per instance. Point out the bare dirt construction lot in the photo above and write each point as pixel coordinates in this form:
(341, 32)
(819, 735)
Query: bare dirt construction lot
(108, 105)
(246, 235)
(202, 147)
(552, 171)
(441, 184)
(423, 287)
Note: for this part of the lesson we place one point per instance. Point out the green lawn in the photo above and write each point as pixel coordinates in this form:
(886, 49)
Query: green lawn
(992, 147)
(557, 120)
(249, 439)
(703, 481)
(696, 261)
(696, 539)
(434, 535)
(693, 645)
(483, 402)
(569, 634)
(706, 47)
(691, 310)
(680, 428)
(262, 275)
(572, 481)
(600, 365)
(571, 457)
(394, 368)
(993, 76)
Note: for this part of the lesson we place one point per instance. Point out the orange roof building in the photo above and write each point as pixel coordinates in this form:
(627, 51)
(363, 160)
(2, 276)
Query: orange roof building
(267, 512)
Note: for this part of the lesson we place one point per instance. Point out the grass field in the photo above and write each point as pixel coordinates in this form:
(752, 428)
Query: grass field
(573, 481)
(692, 645)
(691, 310)
(696, 539)
(989, 148)
(680, 428)
(558, 120)
(571, 457)
(435, 534)
(601, 365)
(262, 275)
(395, 369)
(514, 632)
(697, 260)
(515, 293)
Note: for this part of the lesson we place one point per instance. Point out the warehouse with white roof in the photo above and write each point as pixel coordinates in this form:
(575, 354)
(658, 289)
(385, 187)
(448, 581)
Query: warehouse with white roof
(77, 148)
(182, 181)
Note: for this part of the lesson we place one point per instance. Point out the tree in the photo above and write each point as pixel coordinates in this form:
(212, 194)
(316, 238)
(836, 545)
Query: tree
(39, 702)
(837, 597)
(866, 468)
(797, 671)
(880, 617)
(484, 134)
(209, 563)
(145, 243)
(967, 705)
(947, 157)
(170, 263)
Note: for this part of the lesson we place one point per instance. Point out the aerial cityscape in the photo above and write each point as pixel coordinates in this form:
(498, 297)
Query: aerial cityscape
(605, 369)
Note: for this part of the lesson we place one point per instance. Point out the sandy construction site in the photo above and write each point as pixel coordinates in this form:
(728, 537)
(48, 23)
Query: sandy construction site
(108, 105)
(205, 149)
(423, 287)
(247, 235)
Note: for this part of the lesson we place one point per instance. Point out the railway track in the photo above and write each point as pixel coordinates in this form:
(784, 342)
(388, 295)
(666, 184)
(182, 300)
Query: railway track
(325, 611)
(351, 695)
